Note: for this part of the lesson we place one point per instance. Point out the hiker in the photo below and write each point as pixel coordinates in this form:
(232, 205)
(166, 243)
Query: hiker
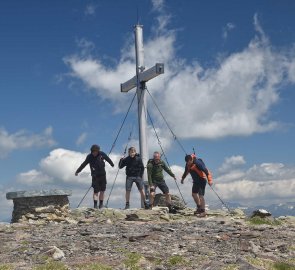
(97, 167)
(155, 169)
(134, 173)
(197, 168)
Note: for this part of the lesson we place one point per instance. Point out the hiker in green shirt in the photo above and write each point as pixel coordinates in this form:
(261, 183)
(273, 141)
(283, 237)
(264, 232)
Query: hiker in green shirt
(155, 169)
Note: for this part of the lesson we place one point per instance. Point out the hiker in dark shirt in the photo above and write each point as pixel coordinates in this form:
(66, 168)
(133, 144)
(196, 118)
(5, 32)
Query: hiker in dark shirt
(134, 173)
(97, 167)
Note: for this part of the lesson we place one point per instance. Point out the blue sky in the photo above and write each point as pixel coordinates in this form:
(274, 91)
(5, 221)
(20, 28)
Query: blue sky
(228, 91)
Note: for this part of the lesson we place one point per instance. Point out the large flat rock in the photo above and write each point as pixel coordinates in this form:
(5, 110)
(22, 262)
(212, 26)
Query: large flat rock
(37, 193)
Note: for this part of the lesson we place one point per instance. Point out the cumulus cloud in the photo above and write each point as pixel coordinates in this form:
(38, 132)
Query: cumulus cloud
(232, 98)
(266, 181)
(231, 162)
(24, 140)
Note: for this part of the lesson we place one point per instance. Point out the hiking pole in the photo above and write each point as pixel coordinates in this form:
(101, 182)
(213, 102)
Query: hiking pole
(84, 196)
(125, 150)
(220, 199)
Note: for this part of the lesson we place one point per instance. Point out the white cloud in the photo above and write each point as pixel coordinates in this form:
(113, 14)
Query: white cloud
(81, 139)
(233, 98)
(229, 27)
(263, 182)
(24, 140)
(231, 163)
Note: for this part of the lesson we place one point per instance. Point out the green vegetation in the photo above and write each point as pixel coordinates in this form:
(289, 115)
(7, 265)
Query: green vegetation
(5, 267)
(177, 260)
(94, 266)
(52, 265)
(270, 265)
(262, 221)
(132, 260)
(283, 266)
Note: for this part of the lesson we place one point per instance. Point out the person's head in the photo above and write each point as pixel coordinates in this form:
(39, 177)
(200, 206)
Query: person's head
(94, 149)
(189, 159)
(157, 157)
(132, 151)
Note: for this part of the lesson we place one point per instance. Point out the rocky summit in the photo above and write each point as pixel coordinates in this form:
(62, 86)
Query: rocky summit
(149, 239)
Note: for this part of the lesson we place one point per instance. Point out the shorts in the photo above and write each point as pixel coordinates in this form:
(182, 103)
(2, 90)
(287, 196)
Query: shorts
(99, 183)
(133, 179)
(162, 186)
(199, 187)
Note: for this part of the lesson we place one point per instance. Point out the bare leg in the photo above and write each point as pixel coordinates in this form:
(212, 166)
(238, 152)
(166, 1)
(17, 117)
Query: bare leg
(142, 195)
(95, 198)
(202, 202)
(152, 196)
(127, 195)
(196, 198)
(168, 199)
(101, 195)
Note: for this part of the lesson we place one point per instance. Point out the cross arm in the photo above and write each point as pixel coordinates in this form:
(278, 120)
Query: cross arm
(144, 76)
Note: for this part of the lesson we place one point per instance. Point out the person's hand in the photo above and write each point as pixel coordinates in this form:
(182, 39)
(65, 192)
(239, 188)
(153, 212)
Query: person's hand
(210, 183)
(113, 165)
(76, 174)
(174, 178)
(182, 181)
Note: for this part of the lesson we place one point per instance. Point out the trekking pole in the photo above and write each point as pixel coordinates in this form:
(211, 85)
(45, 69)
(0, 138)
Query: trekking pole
(220, 199)
(84, 197)
(125, 150)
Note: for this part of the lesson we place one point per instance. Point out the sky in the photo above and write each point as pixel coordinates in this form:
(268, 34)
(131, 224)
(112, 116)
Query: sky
(227, 92)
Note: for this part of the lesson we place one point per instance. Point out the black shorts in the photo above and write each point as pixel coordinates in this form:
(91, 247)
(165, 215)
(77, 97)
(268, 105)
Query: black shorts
(99, 183)
(162, 186)
(199, 187)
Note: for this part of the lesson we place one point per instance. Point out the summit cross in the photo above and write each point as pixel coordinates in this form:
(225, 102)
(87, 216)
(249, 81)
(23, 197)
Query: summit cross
(139, 81)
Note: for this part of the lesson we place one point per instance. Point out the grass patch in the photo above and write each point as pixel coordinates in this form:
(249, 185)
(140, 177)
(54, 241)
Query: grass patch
(5, 267)
(51, 265)
(132, 260)
(177, 260)
(263, 221)
(270, 265)
(94, 266)
(283, 266)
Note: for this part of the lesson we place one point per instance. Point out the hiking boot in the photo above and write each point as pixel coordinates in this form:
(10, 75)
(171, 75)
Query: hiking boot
(172, 210)
(202, 215)
(127, 206)
(100, 206)
(146, 206)
(198, 211)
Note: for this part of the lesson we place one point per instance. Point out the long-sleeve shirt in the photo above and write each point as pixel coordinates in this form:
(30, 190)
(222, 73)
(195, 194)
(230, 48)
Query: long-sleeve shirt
(134, 166)
(97, 164)
(155, 171)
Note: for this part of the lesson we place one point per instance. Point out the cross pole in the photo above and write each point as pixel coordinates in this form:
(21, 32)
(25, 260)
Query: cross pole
(139, 81)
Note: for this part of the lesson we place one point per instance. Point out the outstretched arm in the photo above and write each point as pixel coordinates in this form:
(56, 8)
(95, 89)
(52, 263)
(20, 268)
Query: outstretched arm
(82, 166)
(167, 170)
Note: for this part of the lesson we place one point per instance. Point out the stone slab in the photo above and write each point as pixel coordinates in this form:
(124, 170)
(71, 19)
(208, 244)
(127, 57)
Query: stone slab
(37, 193)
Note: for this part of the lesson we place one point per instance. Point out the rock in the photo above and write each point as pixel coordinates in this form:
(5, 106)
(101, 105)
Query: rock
(55, 253)
(260, 213)
(176, 202)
